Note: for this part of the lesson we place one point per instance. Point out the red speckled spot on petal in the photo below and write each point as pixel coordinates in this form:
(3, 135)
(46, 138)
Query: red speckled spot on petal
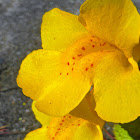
(79, 55)
(83, 48)
(91, 65)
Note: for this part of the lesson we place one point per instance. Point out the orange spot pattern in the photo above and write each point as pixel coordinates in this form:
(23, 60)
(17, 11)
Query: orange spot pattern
(79, 50)
(83, 48)
(63, 124)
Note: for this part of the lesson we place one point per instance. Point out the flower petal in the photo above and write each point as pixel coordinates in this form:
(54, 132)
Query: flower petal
(114, 21)
(136, 53)
(88, 132)
(72, 128)
(86, 110)
(63, 95)
(60, 29)
(74, 83)
(38, 134)
(41, 79)
(37, 71)
(41, 117)
(117, 89)
(64, 128)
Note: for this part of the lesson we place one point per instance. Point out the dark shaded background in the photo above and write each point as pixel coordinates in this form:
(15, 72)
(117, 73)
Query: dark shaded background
(20, 22)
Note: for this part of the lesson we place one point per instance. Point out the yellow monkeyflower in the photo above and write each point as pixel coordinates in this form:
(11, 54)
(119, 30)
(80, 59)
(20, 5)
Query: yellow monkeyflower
(63, 128)
(100, 48)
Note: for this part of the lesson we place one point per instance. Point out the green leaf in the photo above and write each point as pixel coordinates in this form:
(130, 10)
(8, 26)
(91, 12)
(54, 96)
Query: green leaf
(120, 133)
(133, 128)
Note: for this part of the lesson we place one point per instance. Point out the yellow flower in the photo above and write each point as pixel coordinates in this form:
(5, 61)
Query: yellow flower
(75, 56)
(64, 128)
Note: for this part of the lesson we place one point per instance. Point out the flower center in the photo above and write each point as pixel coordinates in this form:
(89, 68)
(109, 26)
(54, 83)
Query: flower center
(79, 55)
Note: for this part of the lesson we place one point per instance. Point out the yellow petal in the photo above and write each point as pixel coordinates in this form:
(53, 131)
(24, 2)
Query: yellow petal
(63, 95)
(60, 29)
(71, 131)
(41, 117)
(88, 132)
(38, 134)
(73, 128)
(86, 110)
(64, 128)
(114, 21)
(35, 72)
(66, 93)
(58, 93)
(117, 89)
(84, 55)
(136, 53)
(40, 78)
